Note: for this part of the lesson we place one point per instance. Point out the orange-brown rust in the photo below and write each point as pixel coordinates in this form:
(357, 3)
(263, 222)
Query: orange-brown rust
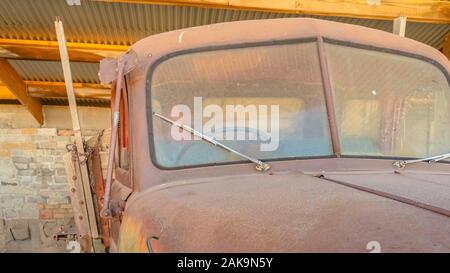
(99, 188)
(132, 237)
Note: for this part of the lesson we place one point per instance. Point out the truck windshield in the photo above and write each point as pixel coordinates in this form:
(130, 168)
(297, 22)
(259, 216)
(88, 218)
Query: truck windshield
(388, 105)
(264, 101)
(267, 101)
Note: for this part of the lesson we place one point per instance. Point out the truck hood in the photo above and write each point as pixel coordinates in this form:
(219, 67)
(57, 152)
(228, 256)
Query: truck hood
(292, 212)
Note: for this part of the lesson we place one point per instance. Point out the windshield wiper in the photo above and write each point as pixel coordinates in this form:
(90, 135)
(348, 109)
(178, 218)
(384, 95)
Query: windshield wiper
(260, 166)
(402, 163)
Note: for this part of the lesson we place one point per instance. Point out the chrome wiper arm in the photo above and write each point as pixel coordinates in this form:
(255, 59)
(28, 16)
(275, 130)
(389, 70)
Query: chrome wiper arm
(402, 163)
(260, 166)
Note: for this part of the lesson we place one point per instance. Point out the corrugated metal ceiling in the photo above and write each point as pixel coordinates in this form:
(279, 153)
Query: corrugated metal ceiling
(64, 101)
(52, 71)
(124, 24)
(80, 102)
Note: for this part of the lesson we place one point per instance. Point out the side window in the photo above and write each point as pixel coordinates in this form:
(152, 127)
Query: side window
(123, 133)
(122, 150)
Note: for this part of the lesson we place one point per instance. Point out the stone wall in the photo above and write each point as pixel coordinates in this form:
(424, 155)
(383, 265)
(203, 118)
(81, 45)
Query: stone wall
(34, 197)
(31, 171)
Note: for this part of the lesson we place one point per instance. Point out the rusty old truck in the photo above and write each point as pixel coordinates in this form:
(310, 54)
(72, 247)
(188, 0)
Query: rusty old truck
(338, 141)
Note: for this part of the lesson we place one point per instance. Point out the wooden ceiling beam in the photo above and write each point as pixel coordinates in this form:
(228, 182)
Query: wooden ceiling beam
(18, 88)
(43, 89)
(48, 50)
(431, 11)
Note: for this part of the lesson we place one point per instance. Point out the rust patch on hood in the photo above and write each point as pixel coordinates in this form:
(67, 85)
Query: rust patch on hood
(288, 212)
(428, 191)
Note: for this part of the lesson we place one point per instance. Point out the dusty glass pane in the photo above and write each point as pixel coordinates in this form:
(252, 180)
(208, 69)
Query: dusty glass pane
(287, 76)
(389, 104)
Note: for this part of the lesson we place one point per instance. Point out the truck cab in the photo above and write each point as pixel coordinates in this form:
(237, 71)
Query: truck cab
(284, 135)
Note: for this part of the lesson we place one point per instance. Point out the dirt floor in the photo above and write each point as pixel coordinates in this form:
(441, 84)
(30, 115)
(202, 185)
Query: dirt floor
(23, 236)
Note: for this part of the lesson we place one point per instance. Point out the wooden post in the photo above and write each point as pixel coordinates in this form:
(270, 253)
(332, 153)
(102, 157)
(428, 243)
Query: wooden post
(84, 179)
(399, 27)
(77, 198)
(446, 46)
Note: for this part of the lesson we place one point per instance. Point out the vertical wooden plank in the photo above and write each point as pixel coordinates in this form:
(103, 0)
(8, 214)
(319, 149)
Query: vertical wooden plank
(76, 127)
(77, 200)
(399, 27)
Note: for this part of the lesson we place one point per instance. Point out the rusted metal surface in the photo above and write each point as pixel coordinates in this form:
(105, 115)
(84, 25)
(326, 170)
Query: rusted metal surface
(424, 193)
(95, 169)
(109, 66)
(275, 213)
(112, 147)
(232, 208)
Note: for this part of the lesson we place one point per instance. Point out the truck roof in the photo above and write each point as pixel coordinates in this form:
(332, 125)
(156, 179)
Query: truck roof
(256, 31)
